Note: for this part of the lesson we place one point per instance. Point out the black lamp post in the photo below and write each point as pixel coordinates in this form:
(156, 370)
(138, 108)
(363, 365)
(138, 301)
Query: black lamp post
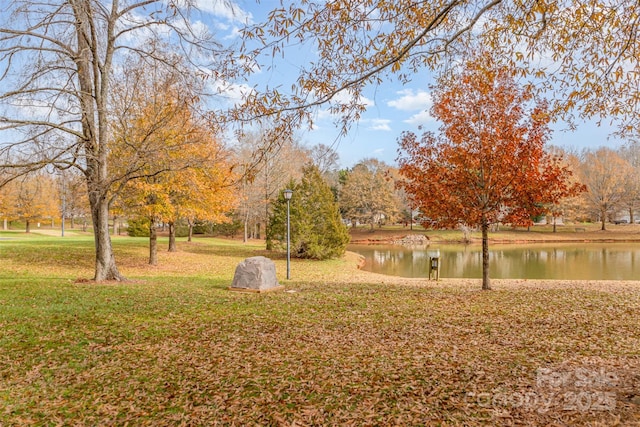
(287, 196)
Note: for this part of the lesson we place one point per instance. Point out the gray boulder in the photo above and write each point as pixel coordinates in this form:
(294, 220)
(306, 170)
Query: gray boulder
(255, 274)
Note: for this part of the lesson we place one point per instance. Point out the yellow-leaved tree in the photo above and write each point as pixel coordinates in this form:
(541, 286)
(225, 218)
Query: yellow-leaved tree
(31, 198)
(201, 191)
(176, 167)
(57, 87)
(204, 191)
(605, 174)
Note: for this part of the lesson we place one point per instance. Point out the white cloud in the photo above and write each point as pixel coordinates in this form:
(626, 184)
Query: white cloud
(39, 110)
(232, 92)
(221, 26)
(410, 101)
(322, 114)
(198, 27)
(420, 118)
(233, 33)
(380, 124)
(227, 9)
(343, 98)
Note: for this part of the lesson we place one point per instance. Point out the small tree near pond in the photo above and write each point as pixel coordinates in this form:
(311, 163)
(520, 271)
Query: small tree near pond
(367, 195)
(487, 165)
(317, 230)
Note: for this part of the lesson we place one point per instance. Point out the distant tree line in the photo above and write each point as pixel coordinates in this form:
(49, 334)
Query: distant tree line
(365, 193)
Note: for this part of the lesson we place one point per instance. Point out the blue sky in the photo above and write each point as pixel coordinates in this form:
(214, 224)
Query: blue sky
(391, 108)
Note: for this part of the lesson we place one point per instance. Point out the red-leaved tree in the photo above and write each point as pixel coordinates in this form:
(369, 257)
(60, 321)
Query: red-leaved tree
(487, 165)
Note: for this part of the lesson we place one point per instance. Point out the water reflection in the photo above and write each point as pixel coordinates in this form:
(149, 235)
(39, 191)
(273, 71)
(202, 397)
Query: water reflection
(596, 261)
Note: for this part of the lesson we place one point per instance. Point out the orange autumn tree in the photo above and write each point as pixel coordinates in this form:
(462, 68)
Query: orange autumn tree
(166, 149)
(198, 188)
(487, 165)
(203, 191)
(32, 198)
(152, 131)
(146, 198)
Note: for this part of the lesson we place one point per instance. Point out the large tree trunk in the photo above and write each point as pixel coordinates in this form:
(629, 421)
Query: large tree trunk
(603, 219)
(28, 227)
(190, 231)
(153, 243)
(106, 268)
(486, 284)
(172, 237)
(93, 85)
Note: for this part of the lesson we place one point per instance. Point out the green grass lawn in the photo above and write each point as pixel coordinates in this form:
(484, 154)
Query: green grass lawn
(173, 346)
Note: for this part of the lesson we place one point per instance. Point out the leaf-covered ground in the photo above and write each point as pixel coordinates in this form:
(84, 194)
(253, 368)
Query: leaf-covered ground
(339, 347)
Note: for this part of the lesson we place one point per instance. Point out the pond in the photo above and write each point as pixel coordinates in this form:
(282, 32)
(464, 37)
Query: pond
(574, 261)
